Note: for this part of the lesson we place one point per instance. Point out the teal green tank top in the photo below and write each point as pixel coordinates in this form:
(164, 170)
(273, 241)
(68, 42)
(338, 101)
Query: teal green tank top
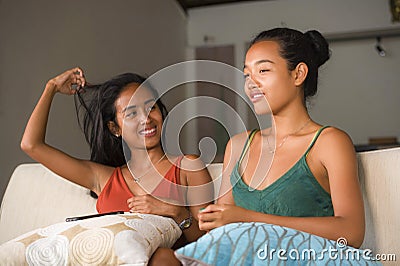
(296, 193)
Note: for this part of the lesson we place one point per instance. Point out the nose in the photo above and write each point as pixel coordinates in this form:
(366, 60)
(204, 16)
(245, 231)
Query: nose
(251, 83)
(144, 117)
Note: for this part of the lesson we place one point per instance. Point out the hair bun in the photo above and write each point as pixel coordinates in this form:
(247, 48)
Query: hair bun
(320, 45)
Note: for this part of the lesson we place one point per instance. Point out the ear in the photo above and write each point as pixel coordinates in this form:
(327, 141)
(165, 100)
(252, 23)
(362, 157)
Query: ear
(114, 128)
(300, 73)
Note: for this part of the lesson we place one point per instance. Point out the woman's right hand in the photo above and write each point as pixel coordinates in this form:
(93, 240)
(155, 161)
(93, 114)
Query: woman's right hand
(63, 82)
(82, 172)
(216, 215)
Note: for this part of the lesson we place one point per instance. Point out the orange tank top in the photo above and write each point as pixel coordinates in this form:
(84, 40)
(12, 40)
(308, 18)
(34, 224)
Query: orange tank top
(116, 192)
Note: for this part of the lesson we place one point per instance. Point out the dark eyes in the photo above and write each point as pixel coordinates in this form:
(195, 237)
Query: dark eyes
(151, 108)
(260, 72)
(130, 114)
(134, 113)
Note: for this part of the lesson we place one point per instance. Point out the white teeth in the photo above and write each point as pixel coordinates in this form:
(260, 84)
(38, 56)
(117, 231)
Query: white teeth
(257, 96)
(146, 132)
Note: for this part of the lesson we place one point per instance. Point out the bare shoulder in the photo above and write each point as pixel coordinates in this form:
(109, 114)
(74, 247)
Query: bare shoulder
(241, 136)
(332, 136)
(192, 162)
(237, 141)
(195, 170)
(234, 148)
(334, 143)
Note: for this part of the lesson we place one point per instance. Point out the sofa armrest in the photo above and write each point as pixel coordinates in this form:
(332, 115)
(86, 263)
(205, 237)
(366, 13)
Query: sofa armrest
(379, 173)
(36, 194)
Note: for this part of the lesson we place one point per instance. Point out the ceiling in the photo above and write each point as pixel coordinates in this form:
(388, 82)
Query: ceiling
(187, 4)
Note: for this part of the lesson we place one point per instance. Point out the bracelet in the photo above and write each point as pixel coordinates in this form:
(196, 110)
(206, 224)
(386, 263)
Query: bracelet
(186, 223)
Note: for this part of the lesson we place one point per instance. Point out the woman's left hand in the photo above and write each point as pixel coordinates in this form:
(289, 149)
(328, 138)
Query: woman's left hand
(149, 204)
(216, 215)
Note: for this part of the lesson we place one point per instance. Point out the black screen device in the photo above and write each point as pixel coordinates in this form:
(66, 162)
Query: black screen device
(71, 219)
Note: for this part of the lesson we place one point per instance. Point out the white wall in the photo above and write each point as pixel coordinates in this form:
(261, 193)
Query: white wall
(358, 89)
(39, 39)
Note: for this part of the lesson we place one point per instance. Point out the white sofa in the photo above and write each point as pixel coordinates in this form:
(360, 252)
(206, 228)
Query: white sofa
(35, 197)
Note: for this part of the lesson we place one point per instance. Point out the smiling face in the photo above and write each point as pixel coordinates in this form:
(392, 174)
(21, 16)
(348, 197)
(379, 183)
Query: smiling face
(139, 117)
(269, 84)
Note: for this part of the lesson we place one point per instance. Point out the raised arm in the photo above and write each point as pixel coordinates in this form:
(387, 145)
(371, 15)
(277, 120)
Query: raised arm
(33, 141)
(335, 151)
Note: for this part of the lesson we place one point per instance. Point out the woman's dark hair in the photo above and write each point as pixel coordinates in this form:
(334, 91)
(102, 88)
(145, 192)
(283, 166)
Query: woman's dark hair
(96, 107)
(310, 48)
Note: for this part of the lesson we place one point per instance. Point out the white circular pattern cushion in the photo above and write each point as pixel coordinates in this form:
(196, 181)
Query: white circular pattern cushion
(163, 227)
(112, 239)
(130, 246)
(17, 250)
(54, 229)
(93, 246)
(147, 230)
(52, 250)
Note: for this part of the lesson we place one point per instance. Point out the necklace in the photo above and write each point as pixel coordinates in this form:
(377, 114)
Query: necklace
(137, 179)
(285, 138)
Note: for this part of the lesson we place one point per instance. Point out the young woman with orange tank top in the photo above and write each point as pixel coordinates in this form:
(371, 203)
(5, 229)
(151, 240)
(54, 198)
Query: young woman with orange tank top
(143, 179)
(296, 173)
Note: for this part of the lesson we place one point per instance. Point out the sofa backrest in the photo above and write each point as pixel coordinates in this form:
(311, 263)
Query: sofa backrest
(36, 197)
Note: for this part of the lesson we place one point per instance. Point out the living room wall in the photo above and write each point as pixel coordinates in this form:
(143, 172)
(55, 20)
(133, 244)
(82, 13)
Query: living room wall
(40, 39)
(358, 89)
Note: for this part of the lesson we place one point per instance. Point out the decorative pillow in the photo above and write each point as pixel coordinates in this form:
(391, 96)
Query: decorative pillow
(266, 244)
(107, 240)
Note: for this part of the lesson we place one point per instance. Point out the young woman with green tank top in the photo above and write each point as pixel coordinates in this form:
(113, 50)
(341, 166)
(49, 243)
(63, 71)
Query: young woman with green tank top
(309, 181)
(297, 176)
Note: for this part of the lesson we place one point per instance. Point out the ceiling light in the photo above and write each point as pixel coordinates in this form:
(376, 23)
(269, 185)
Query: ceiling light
(379, 48)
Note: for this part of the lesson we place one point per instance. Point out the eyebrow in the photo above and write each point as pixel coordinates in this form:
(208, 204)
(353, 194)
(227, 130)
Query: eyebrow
(134, 106)
(260, 62)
